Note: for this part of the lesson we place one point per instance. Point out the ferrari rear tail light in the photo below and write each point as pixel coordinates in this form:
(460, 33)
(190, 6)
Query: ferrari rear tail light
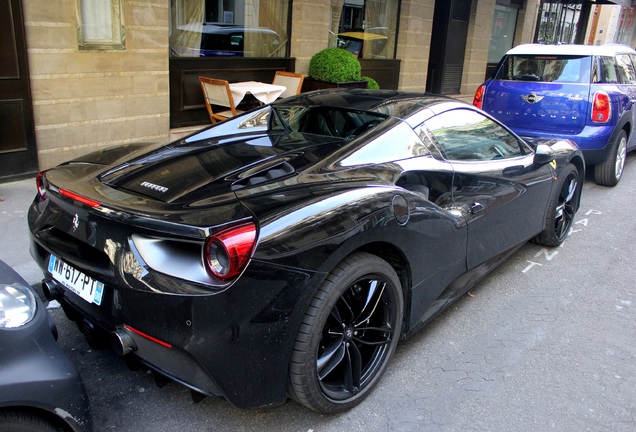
(87, 201)
(601, 107)
(478, 100)
(40, 183)
(227, 252)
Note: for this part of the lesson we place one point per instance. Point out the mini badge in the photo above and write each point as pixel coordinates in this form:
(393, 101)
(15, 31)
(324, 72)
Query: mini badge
(532, 98)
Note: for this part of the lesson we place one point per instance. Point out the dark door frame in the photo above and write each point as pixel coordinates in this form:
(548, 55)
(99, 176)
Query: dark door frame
(18, 152)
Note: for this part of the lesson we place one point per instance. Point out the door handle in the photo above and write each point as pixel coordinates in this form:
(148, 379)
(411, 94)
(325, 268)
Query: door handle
(476, 207)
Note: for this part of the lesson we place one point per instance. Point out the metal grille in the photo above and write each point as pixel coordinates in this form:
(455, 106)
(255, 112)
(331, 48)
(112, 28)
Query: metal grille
(452, 79)
(460, 10)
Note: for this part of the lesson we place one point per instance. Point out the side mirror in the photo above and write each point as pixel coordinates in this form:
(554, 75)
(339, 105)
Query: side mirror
(543, 154)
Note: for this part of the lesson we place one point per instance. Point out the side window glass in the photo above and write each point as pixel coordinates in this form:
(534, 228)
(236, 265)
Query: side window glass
(625, 69)
(608, 70)
(401, 143)
(466, 135)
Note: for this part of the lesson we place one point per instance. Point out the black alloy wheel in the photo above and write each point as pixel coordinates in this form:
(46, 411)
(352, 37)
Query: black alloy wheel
(561, 209)
(347, 336)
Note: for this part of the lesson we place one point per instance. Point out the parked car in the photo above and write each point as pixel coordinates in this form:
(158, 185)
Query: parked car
(287, 250)
(584, 93)
(40, 389)
(224, 40)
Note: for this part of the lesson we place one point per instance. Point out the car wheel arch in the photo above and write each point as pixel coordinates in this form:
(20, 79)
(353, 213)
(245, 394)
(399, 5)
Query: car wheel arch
(579, 163)
(390, 253)
(623, 124)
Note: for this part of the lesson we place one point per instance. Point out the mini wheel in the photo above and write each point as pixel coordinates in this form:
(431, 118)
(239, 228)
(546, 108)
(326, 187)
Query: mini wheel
(610, 171)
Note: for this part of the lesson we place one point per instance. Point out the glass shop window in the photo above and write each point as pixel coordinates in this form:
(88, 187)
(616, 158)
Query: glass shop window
(503, 32)
(367, 28)
(229, 28)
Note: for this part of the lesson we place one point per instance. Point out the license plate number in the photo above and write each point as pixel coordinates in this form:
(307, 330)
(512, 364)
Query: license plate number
(83, 285)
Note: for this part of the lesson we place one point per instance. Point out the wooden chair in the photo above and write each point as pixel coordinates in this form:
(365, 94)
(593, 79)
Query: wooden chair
(217, 93)
(292, 81)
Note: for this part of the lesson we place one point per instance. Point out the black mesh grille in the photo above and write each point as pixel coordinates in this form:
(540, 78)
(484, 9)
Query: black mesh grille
(460, 10)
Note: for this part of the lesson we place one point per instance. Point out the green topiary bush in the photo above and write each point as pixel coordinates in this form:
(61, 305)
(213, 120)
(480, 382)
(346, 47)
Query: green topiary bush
(335, 65)
(371, 83)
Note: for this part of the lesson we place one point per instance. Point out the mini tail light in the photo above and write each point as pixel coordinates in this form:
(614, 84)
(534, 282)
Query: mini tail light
(40, 183)
(478, 100)
(227, 252)
(601, 107)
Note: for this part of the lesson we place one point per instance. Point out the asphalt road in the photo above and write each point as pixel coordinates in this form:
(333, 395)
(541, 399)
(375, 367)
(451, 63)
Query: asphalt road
(546, 342)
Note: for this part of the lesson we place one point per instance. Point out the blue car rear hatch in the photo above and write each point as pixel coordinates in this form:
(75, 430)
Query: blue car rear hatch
(541, 93)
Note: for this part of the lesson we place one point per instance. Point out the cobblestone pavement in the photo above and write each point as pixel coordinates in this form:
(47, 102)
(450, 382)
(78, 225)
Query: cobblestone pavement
(546, 342)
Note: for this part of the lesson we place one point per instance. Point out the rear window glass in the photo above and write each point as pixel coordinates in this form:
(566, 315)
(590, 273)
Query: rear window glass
(565, 69)
(325, 121)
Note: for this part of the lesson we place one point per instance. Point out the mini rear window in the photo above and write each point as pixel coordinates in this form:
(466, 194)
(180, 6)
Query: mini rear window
(564, 69)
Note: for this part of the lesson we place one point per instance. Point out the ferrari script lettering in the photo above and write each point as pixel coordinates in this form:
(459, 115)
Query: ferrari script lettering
(153, 186)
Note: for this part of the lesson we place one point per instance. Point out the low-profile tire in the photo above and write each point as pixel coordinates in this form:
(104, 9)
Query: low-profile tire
(610, 171)
(347, 336)
(24, 421)
(561, 208)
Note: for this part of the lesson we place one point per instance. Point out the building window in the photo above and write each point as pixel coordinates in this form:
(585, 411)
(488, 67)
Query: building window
(625, 30)
(558, 21)
(229, 28)
(100, 25)
(366, 28)
(503, 32)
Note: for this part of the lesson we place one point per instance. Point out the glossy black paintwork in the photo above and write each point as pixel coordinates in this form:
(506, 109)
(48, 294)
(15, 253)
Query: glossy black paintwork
(315, 200)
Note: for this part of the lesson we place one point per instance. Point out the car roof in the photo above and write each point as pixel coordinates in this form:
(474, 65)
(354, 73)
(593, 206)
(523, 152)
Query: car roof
(541, 49)
(371, 100)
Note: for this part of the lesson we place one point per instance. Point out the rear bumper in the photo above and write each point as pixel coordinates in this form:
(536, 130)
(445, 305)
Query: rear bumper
(593, 140)
(234, 344)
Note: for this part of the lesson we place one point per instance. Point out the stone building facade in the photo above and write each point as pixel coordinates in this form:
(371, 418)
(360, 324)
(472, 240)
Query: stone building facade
(85, 100)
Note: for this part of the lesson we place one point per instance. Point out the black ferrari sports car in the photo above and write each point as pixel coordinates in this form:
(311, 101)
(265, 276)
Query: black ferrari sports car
(284, 252)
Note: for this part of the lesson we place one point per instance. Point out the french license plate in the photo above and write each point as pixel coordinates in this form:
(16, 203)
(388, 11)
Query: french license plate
(84, 286)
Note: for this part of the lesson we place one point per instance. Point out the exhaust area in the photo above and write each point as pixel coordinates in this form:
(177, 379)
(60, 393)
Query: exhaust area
(122, 342)
(49, 288)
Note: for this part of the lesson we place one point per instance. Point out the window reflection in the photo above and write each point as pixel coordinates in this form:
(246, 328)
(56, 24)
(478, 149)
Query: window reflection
(466, 135)
(565, 69)
(398, 143)
(625, 69)
(367, 28)
(228, 28)
(503, 32)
